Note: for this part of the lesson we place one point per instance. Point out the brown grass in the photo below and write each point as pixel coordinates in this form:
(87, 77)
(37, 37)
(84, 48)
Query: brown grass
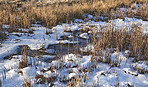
(2, 36)
(45, 79)
(24, 60)
(122, 40)
(142, 12)
(23, 14)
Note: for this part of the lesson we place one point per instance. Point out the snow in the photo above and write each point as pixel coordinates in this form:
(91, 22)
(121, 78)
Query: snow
(103, 74)
(88, 48)
(50, 51)
(35, 41)
(79, 21)
(40, 40)
(71, 75)
(119, 58)
(5, 26)
(84, 35)
(141, 65)
(71, 65)
(7, 49)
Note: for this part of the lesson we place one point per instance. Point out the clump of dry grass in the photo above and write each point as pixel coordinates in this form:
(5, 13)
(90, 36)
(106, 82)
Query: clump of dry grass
(26, 83)
(122, 40)
(42, 80)
(22, 14)
(24, 60)
(2, 36)
(140, 70)
(142, 12)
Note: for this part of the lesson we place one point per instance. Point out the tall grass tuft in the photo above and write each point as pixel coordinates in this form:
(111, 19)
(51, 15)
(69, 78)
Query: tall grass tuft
(121, 39)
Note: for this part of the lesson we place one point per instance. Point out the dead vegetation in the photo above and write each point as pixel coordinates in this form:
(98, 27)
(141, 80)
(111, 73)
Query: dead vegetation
(42, 79)
(26, 83)
(2, 36)
(24, 60)
(122, 40)
(142, 12)
(22, 13)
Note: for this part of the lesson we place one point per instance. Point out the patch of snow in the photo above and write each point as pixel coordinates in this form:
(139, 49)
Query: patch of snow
(5, 26)
(84, 35)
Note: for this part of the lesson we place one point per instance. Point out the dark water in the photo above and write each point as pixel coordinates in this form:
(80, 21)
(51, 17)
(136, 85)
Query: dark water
(69, 47)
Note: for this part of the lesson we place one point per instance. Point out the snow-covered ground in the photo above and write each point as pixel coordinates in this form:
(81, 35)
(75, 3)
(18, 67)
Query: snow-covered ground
(70, 65)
